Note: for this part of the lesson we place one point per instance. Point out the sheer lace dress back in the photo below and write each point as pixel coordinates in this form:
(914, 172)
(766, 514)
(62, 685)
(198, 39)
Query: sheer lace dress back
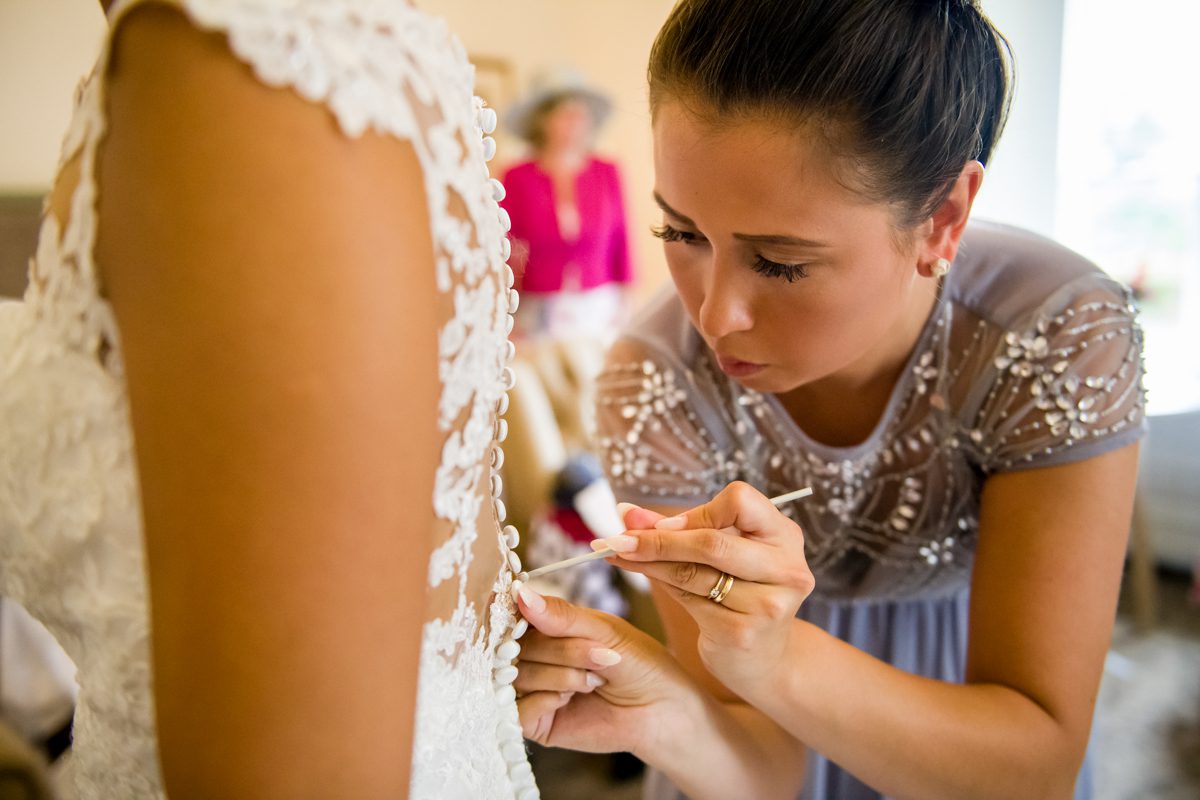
(70, 530)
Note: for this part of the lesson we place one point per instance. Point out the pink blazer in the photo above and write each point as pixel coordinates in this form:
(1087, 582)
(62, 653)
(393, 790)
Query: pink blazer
(601, 253)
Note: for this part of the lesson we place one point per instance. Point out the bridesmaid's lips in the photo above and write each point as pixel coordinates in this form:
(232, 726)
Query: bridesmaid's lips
(738, 369)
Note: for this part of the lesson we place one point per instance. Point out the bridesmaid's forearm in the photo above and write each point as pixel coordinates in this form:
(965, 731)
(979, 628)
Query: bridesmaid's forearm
(913, 737)
(713, 750)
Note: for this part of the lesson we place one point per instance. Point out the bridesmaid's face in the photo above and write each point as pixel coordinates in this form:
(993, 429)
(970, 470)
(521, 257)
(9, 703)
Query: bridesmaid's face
(789, 275)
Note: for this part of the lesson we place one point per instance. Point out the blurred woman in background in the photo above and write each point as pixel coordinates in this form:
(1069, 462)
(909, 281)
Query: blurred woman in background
(571, 252)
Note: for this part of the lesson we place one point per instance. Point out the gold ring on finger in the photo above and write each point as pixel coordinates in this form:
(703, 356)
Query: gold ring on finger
(721, 589)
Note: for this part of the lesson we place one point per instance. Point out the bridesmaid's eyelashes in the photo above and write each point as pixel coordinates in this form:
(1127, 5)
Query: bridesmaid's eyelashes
(669, 234)
(763, 266)
(773, 269)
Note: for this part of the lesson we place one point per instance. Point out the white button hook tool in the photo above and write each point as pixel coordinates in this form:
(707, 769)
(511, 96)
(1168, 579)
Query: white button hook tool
(605, 552)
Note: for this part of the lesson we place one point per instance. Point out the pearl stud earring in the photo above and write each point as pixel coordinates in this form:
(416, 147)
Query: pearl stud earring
(940, 268)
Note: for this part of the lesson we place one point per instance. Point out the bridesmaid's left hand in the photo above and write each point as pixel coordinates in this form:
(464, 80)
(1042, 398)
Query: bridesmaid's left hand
(593, 682)
(739, 533)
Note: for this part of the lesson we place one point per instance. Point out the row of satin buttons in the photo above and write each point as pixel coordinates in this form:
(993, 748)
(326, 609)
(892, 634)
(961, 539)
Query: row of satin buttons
(509, 735)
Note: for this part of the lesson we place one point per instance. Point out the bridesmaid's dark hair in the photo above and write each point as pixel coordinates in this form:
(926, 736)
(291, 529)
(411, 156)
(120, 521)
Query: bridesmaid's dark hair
(905, 91)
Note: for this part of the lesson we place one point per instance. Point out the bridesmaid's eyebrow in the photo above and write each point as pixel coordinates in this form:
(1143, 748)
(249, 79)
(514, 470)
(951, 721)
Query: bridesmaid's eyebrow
(663, 205)
(770, 238)
(754, 238)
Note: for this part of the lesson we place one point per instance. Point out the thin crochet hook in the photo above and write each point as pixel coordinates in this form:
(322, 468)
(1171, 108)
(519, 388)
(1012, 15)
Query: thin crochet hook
(605, 552)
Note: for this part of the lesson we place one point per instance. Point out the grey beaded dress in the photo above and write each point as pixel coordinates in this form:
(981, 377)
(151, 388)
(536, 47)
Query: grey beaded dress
(1030, 358)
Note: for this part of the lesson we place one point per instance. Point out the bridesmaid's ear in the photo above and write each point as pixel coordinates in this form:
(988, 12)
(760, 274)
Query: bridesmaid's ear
(939, 236)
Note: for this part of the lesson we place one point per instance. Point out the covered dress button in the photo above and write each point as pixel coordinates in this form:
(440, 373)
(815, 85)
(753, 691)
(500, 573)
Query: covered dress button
(521, 773)
(509, 730)
(507, 651)
(487, 120)
(489, 148)
(511, 536)
(506, 675)
(513, 752)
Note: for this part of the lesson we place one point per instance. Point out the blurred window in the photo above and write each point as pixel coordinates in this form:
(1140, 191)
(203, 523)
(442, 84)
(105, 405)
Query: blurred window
(1129, 170)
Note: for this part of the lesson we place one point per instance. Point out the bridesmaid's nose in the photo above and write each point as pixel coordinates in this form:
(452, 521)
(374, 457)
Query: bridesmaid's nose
(726, 308)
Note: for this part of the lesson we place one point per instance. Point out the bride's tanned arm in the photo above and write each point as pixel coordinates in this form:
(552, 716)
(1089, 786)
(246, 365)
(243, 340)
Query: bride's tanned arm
(274, 288)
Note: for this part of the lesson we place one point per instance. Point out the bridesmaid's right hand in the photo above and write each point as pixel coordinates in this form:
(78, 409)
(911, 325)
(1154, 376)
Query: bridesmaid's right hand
(593, 682)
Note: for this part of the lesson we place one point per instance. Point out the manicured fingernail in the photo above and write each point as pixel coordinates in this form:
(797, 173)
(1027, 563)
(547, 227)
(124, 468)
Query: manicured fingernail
(625, 508)
(533, 601)
(621, 543)
(594, 680)
(604, 657)
(671, 523)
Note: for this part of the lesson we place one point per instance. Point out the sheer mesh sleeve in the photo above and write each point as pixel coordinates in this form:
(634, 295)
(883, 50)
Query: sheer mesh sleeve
(656, 436)
(1066, 385)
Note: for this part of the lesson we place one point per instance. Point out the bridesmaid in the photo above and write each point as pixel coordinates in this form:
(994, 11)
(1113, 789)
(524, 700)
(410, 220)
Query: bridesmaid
(964, 399)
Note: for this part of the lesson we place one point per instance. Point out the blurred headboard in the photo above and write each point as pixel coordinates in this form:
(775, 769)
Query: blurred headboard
(20, 215)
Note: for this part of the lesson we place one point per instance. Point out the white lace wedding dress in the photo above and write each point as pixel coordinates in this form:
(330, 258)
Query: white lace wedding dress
(71, 547)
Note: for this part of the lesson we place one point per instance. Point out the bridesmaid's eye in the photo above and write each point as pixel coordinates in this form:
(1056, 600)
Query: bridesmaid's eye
(773, 269)
(669, 234)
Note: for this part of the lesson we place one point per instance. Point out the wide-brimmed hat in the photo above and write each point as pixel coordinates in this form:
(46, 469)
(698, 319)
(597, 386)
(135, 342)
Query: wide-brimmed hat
(552, 83)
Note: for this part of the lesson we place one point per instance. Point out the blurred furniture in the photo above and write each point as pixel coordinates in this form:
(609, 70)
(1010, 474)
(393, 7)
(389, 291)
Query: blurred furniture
(20, 216)
(22, 769)
(549, 417)
(1166, 515)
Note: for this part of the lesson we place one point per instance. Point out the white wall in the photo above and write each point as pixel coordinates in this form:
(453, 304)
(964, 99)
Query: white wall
(46, 47)
(1019, 187)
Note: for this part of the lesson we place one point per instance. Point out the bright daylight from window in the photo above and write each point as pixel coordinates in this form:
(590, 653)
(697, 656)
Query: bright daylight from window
(1129, 170)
